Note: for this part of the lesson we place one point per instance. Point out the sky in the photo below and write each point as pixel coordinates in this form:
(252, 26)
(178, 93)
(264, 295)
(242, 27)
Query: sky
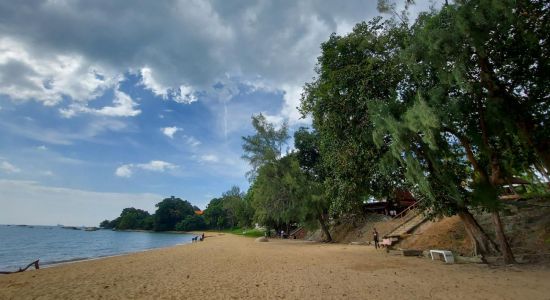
(113, 104)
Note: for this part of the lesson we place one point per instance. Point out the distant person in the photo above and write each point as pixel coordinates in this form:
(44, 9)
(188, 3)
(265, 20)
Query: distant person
(282, 234)
(202, 236)
(375, 238)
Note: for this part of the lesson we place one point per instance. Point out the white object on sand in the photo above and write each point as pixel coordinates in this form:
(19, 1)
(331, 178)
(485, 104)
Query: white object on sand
(448, 255)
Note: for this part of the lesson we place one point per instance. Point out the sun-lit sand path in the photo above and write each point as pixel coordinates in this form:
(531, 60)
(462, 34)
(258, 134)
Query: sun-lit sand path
(232, 267)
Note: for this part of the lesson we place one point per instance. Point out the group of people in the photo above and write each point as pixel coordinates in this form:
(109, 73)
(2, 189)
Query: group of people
(198, 238)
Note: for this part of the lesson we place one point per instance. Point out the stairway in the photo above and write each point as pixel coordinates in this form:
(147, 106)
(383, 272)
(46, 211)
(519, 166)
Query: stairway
(413, 220)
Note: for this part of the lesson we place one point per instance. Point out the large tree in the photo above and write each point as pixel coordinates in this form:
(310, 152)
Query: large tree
(132, 218)
(378, 133)
(170, 212)
(354, 71)
(215, 215)
(266, 145)
(277, 192)
(488, 96)
(315, 200)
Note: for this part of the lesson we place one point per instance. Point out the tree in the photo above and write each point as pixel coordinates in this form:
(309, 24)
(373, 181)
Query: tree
(232, 203)
(481, 102)
(245, 212)
(214, 214)
(265, 145)
(352, 72)
(171, 211)
(107, 224)
(376, 134)
(434, 165)
(132, 218)
(478, 70)
(191, 222)
(232, 209)
(315, 201)
(276, 193)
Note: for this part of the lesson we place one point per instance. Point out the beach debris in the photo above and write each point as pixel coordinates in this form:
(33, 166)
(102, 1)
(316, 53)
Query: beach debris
(262, 239)
(447, 255)
(35, 263)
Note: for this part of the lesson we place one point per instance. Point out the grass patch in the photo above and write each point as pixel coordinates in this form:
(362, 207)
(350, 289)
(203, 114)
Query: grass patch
(245, 232)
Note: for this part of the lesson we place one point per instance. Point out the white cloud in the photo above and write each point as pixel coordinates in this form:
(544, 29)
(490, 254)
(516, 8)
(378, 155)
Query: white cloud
(157, 165)
(151, 84)
(170, 131)
(42, 147)
(124, 171)
(89, 131)
(27, 202)
(276, 40)
(182, 94)
(123, 106)
(45, 56)
(209, 158)
(276, 120)
(9, 168)
(127, 170)
(191, 141)
(49, 76)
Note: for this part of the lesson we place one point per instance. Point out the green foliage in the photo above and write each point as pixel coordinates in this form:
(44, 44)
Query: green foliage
(132, 218)
(108, 224)
(214, 214)
(190, 223)
(170, 212)
(231, 210)
(264, 146)
(315, 202)
(353, 73)
(438, 108)
(277, 192)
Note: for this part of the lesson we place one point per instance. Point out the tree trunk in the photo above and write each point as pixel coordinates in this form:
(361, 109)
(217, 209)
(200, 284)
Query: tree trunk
(502, 241)
(324, 227)
(482, 241)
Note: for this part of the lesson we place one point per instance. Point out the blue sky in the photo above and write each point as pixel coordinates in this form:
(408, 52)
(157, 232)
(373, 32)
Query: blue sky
(106, 105)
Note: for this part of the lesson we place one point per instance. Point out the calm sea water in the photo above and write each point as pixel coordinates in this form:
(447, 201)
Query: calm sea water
(51, 244)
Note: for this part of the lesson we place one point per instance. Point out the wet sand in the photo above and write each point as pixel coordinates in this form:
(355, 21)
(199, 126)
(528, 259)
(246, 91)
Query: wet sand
(233, 267)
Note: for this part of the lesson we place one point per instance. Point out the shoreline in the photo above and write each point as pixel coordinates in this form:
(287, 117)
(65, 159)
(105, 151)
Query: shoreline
(230, 266)
(57, 264)
(47, 262)
(77, 260)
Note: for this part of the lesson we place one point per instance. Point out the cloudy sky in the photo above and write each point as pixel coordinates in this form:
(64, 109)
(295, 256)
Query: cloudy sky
(111, 104)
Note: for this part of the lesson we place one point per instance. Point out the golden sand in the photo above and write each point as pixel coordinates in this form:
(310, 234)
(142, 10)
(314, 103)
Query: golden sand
(233, 267)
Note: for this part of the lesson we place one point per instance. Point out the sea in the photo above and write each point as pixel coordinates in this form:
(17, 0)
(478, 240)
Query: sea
(23, 244)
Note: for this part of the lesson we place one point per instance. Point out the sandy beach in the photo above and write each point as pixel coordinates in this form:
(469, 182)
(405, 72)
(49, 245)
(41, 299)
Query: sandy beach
(231, 267)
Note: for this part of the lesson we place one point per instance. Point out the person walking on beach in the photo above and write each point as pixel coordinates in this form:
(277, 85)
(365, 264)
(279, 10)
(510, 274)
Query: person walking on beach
(375, 238)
